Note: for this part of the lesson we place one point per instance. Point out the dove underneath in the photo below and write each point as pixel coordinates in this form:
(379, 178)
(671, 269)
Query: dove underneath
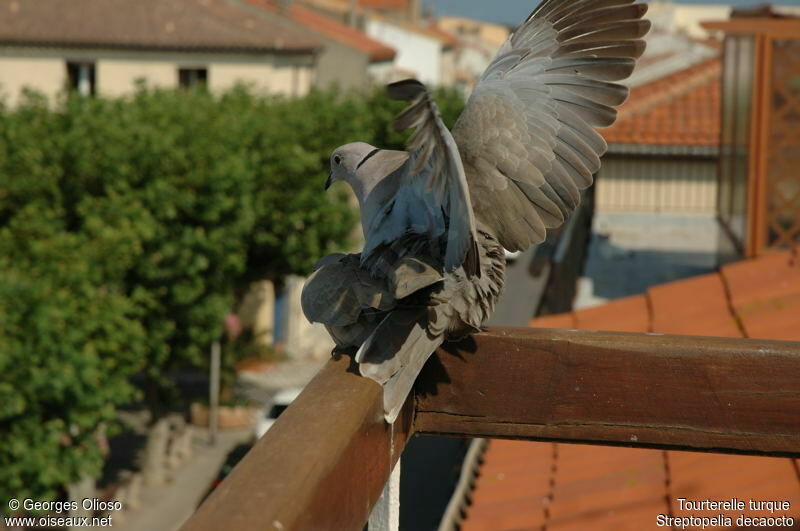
(437, 216)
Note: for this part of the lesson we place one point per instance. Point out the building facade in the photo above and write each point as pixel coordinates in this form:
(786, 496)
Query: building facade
(106, 47)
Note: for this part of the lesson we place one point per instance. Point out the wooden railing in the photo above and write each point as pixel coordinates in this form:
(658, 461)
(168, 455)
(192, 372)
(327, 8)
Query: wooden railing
(325, 461)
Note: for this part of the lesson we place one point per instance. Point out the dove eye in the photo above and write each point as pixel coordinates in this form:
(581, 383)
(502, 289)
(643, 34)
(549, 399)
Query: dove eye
(337, 159)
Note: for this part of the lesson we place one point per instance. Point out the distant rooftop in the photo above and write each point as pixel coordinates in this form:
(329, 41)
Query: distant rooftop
(669, 52)
(331, 28)
(680, 109)
(215, 25)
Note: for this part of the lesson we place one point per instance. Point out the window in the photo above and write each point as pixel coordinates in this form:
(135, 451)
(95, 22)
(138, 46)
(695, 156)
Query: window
(189, 78)
(81, 77)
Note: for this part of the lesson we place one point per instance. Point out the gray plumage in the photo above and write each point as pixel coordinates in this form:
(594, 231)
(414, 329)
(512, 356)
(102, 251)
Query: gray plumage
(436, 217)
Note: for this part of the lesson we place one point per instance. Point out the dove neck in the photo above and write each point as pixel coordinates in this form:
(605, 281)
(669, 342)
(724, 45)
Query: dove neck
(376, 184)
(369, 203)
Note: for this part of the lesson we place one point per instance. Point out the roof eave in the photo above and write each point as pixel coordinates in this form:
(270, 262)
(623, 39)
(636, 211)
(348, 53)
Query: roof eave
(287, 50)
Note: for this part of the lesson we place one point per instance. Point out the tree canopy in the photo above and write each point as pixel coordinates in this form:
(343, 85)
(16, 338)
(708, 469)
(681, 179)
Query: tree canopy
(126, 227)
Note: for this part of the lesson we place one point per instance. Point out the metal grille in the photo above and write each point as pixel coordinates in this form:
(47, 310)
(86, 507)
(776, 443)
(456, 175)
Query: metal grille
(783, 156)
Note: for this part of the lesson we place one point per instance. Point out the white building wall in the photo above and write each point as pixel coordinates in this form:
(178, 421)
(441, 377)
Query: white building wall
(416, 53)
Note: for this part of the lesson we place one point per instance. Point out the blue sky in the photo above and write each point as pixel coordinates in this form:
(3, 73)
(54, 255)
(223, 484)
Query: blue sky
(511, 12)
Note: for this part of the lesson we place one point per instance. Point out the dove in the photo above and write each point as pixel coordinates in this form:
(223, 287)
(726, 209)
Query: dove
(437, 217)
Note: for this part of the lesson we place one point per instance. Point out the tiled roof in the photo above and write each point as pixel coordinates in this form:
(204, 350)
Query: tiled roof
(384, 4)
(343, 6)
(332, 29)
(215, 25)
(524, 485)
(682, 109)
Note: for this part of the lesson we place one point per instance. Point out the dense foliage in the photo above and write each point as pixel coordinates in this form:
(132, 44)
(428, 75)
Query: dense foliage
(126, 227)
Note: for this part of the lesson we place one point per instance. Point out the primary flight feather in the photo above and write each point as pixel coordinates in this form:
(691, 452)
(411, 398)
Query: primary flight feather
(437, 216)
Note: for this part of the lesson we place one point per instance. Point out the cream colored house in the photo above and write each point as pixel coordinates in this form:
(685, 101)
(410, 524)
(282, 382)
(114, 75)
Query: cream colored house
(106, 46)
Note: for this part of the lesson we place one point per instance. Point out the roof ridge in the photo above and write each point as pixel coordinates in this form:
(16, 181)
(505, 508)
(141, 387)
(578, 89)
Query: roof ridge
(217, 25)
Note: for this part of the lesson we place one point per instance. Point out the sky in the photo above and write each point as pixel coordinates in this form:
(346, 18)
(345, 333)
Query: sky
(512, 12)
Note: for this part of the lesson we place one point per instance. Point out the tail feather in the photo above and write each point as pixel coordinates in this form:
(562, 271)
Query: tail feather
(395, 353)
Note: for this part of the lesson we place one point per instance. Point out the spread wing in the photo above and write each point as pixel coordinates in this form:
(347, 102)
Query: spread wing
(526, 137)
(435, 158)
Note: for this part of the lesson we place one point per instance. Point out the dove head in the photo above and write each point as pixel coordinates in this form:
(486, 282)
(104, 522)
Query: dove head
(345, 162)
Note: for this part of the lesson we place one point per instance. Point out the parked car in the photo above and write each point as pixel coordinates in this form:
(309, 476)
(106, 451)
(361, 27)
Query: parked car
(280, 402)
(511, 255)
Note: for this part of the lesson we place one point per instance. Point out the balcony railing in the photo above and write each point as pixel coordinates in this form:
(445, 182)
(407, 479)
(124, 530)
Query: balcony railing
(325, 461)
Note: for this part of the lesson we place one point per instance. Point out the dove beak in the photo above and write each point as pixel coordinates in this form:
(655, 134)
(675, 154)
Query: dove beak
(329, 182)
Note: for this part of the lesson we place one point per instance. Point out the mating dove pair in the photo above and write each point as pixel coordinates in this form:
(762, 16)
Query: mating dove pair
(437, 217)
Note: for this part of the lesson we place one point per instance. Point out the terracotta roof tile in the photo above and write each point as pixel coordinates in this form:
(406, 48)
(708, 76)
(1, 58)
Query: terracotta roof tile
(618, 488)
(511, 490)
(628, 517)
(698, 476)
(775, 318)
(146, 24)
(695, 306)
(770, 276)
(680, 109)
(332, 29)
(603, 482)
(629, 314)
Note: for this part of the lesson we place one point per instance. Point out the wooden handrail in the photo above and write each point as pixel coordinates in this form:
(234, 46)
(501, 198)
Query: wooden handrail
(324, 462)
(322, 465)
(643, 390)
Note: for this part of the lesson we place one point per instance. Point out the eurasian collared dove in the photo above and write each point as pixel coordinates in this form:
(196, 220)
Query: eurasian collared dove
(437, 217)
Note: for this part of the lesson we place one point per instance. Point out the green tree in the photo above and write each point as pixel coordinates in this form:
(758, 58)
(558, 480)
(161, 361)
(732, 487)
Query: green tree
(69, 338)
(126, 227)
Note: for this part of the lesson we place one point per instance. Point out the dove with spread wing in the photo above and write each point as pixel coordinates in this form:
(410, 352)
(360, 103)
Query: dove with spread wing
(437, 217)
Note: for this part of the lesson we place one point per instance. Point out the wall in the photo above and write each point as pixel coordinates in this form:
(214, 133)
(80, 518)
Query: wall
(672, 17)
(342, 65)
(416, 53)
(44, 69)
(303, 340)
(116, 77)
(276, 74)
(657, 184)
(491, 35)
(44, 74)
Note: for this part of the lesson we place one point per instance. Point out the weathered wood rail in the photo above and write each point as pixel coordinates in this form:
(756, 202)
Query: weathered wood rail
(324, 463)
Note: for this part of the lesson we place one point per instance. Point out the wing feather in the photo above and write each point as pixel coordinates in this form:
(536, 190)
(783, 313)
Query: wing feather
(551, 84)
(435, 155)
(527, 138)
